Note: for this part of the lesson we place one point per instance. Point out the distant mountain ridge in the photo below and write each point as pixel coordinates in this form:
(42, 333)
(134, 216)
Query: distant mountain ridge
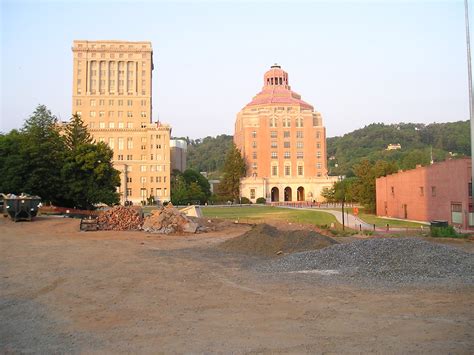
(417, 143)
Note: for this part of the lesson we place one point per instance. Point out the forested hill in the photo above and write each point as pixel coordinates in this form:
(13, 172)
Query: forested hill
(370, 142)
(208, 154)
(416, 141)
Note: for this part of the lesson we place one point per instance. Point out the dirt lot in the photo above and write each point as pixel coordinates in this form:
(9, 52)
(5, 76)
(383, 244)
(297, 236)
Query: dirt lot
(68, 291)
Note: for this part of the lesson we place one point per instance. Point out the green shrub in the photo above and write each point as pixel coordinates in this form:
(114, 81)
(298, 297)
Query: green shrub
(261, 200)
(444, 232)
(245, 201)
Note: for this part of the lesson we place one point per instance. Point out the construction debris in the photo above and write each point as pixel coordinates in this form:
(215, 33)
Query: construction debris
(121, 218)
(169, 220)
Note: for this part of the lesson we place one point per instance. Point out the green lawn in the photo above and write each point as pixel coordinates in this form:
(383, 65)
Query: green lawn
(257, 213)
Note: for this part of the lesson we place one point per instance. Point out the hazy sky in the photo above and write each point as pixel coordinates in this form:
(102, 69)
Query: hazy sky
(356, 62)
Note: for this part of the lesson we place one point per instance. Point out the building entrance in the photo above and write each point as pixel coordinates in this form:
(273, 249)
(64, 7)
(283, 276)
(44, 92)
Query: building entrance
(288, 194)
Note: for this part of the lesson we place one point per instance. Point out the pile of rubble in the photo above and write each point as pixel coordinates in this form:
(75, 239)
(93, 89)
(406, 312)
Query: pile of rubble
(169, 220)
(121, 218)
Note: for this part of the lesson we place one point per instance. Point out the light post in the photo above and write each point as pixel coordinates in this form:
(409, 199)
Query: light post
(341, 180)
(469, 78)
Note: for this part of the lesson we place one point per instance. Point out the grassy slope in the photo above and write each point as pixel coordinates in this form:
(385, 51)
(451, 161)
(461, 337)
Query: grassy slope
(262, 213)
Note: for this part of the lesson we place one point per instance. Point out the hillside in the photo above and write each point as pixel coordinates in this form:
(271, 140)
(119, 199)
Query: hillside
(416, 140)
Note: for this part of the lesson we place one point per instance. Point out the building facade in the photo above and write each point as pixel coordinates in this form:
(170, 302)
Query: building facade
(112, 92)
(283, 142)
(436, 192)
(179, 149)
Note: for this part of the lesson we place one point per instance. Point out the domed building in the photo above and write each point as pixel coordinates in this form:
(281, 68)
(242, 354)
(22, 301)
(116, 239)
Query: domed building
(283, 142)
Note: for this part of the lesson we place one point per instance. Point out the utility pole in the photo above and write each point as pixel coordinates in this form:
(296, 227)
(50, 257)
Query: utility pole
(469, 73)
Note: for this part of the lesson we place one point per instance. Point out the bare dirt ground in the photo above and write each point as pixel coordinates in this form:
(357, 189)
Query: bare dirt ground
(62, 290)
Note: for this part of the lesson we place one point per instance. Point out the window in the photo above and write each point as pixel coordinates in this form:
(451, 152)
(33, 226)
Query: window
(143, 114)
(120, 102)
(129, 102)
(299, 134)
(287, 170)
(286, 144)
(318, 145)
(143, 168)
(142, 179)
(129, 157)
(254, 144)
(422, 191)
(79, 113)
(78, 102)
(318, 155)
(101, 102)
(120, 113)
(318, 135)
(299, 155)
(111, 102)
(101, 124)
(286, 122)
(120, 125)
(274, 155)
(252, 194)
(433, 191)
(92, 103)
(111, 143)
(91, 125)
(101, 139)
(92, 114)
(254, 155)
(299, 122)
(101, 113)
(129, 114)
(143, 102)
(392, 190)
(300, 170)
(286, 155)
(120, 157)
(319, 165)
(254, 165)
(120, 144)
(286, 134)
(129, 124)
(129, 191)
(274, 144)
(456, 213)
(129, 143)
(274, 170)
(273, 134)
(319, 174)
(299, 145)
(273, 122)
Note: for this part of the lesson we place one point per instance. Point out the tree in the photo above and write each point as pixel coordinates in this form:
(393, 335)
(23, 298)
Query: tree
(76, 133)
(189, 187)
(234, 169)
(366, 174)
(90, 177)
(42, 151)
(179, 190)
(192, 176)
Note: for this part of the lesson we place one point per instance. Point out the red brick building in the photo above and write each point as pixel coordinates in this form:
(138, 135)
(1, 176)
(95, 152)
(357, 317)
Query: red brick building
(436, 192)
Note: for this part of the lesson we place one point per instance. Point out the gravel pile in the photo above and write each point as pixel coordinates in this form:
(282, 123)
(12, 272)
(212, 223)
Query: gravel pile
(388, 260)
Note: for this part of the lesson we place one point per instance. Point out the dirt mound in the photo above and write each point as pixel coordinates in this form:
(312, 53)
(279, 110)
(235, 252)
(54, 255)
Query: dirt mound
(121, 218)
(169, 220)
(266, 240)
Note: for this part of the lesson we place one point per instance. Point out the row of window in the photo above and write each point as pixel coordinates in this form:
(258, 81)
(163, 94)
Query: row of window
(152, 179)
(120, 91)
(421, 191)
(111, 102)
(120, 124)
(286, 122)
(121, 141)
(93, 114)
(142, 157)
(287, 169)
(286, 134)
(112, 72)
(112, 55)
(143, 192)
(286, 155)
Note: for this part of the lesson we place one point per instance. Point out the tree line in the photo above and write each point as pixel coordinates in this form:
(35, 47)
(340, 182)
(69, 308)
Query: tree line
(62, 165)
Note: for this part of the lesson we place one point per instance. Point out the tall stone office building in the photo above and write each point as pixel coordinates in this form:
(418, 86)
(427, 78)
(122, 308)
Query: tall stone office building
(112, 92)
(283, 141)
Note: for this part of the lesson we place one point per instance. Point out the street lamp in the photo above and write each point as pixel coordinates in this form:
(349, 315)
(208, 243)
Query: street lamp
(341, 179)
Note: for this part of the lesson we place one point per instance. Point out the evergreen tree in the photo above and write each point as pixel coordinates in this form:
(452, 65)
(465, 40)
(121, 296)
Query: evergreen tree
(76, 133)
(234, 169)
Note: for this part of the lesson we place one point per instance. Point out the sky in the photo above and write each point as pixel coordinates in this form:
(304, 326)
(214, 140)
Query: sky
(356, 62)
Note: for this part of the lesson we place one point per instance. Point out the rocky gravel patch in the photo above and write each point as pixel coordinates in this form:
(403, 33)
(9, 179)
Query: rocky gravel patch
(388, 260)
